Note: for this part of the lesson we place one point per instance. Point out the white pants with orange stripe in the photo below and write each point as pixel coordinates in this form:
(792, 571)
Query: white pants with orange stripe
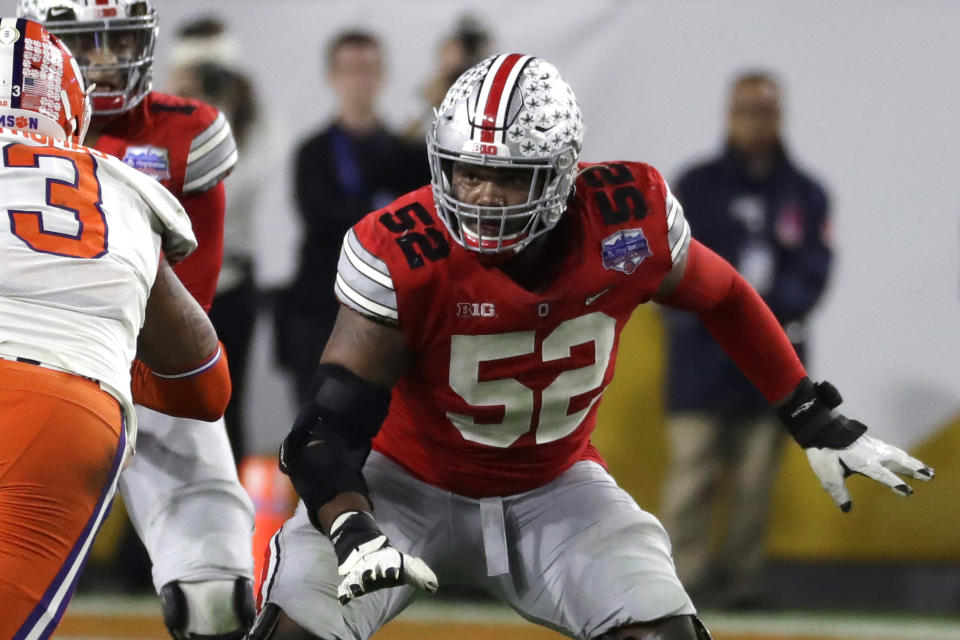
(61, 445)
(186, 502)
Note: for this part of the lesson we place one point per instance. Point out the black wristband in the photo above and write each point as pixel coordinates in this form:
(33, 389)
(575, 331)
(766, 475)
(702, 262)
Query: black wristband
(809, 417)
(358, 528)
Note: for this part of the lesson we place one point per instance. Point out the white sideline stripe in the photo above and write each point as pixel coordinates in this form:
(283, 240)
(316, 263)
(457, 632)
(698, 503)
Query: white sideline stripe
(365, 269)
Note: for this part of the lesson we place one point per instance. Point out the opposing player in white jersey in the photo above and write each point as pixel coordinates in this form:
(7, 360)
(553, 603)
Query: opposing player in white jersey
(81, 238)
(182, 493)
(448, 439)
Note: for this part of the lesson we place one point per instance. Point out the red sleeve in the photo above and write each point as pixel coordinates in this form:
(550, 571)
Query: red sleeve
(739, 320)
(200, 270)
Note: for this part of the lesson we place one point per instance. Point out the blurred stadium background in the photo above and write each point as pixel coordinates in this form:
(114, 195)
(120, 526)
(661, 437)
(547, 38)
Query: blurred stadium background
(871, 105)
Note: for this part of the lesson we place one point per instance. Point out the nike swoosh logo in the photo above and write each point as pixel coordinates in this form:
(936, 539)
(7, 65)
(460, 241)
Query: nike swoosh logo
(593, 298)
(806, 405)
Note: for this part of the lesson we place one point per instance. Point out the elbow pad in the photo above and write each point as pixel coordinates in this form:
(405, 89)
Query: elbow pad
(202, 393)
(325, 451)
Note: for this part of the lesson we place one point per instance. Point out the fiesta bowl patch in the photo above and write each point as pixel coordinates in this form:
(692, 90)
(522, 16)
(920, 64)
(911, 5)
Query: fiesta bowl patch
(625, 250)
(153, 161)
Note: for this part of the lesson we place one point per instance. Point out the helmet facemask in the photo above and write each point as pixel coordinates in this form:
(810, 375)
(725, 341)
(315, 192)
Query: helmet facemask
(113, 44)
(510, 114)
(493, 229)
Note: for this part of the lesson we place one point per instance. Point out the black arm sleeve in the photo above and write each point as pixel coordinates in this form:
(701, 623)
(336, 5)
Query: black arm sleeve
(325, 451)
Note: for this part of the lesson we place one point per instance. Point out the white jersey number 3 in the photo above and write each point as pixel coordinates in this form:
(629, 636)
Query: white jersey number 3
(467, 352)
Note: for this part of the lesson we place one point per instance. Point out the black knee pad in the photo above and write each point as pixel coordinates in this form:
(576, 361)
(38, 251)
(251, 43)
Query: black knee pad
(176, 612)
(700, 629)
(266, 623)
(677, 629)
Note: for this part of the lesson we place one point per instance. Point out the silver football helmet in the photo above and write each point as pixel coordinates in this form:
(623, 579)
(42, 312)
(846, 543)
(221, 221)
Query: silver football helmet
(112, 40)
(511, 111)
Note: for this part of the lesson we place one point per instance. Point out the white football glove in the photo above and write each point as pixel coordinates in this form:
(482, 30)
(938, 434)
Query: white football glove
(868, 456)
(368, 562)
(837, 446)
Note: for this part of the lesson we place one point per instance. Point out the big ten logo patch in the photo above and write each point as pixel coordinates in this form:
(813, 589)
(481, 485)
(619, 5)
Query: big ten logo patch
(476, 310)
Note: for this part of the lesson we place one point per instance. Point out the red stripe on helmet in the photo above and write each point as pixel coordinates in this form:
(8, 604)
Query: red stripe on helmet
(32, 31)
(489, 121)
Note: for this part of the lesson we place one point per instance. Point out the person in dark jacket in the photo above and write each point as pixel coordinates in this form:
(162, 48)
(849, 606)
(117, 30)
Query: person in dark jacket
(353, 166)
(757, 209)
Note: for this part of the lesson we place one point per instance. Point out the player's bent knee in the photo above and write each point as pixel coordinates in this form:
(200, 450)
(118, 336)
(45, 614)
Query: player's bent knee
(211, 610)
(688, 627)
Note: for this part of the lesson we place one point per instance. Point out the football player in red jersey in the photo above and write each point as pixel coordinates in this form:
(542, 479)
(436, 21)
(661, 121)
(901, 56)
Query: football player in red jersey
(182, 490)
(455, 399)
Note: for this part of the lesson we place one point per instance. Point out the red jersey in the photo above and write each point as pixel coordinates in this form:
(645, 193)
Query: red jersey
(502, 392)
(188, 147)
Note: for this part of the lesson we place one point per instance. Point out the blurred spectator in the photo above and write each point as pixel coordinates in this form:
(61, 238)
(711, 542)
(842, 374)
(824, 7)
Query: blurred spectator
(765, 216)
(204, 66)
(349, 168)
(467, 45)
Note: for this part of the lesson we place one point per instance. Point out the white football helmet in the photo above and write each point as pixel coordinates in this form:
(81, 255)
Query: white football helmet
(113, 41)
(510, 111)
(41, 89)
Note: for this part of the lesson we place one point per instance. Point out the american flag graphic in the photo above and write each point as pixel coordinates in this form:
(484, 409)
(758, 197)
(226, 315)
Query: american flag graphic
(40, 92)
(35, 86)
